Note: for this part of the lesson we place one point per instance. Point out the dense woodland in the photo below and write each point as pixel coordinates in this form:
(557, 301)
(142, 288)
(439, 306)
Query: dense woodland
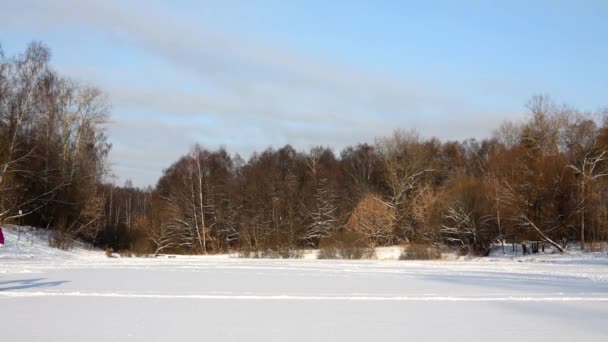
(541, 179)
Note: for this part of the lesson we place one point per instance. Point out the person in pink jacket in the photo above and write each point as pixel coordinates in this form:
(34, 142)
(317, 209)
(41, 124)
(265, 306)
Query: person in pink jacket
(1, 238)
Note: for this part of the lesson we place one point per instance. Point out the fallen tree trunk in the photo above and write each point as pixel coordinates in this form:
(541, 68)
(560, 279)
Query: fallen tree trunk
(542, 235)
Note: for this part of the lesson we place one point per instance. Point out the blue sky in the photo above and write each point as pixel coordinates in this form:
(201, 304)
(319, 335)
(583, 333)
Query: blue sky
(252, 74)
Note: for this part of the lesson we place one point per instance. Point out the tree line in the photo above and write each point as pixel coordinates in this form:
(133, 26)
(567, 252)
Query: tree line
(540, 179)
(53, 147)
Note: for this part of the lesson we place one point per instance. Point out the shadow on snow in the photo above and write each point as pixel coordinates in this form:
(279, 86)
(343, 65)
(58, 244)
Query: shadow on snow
(23, 284)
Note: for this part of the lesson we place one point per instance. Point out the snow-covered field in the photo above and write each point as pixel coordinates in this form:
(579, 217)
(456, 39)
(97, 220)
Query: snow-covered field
(50, 295)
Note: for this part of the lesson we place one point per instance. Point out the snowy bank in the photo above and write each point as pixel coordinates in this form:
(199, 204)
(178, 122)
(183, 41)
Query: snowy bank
(33, 243)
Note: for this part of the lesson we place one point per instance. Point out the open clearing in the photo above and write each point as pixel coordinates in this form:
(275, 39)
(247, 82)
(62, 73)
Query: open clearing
(219, 298)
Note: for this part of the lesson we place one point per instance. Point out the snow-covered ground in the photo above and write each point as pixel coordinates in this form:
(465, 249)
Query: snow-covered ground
(51, 295)
(33, 245)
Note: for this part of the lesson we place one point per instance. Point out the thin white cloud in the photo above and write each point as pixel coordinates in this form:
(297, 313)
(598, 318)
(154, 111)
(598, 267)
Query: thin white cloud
(256, 90)
(235, 65)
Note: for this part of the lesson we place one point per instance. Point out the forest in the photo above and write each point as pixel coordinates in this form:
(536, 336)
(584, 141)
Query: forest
(539, 179)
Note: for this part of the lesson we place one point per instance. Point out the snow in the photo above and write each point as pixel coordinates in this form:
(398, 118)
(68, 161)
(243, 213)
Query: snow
(52, 295)
(33, 244)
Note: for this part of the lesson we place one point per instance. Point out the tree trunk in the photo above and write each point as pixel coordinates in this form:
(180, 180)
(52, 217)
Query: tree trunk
(543, 236)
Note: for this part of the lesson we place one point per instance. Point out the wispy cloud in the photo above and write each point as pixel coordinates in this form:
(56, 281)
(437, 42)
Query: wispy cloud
(244, 87)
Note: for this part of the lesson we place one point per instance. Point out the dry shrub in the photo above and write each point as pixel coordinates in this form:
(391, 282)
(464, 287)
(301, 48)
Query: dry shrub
(426, 211)
(269, 254)
(282, 253)
(293, 254)
(421, 252)
(142, 247)
(245, 254)
(327, 252)
(61, 239)
(109, 252)
(345, 245)
(373, 219)
(597, 247)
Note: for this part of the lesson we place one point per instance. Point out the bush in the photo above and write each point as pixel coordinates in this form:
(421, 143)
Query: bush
(269, 254)
(597, 247)
(125, 253)
(479, 249)
(421, 252)
(243, 254)
(62, 240)
(294, 254)
(283, 253)
(328, 252)
(142, 247)
(372, 219)
(109, 252)
(346, 245)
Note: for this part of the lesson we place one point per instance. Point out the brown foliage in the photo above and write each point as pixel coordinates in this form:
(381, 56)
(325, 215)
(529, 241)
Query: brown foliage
(418, 251)
(373, 219)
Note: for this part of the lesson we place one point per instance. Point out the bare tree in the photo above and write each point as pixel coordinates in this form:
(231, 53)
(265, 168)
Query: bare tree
(362, 166)
(19, 86)
(323, 215)
(406, 164)
(461, 225)
(155, 227)
(590, 169)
